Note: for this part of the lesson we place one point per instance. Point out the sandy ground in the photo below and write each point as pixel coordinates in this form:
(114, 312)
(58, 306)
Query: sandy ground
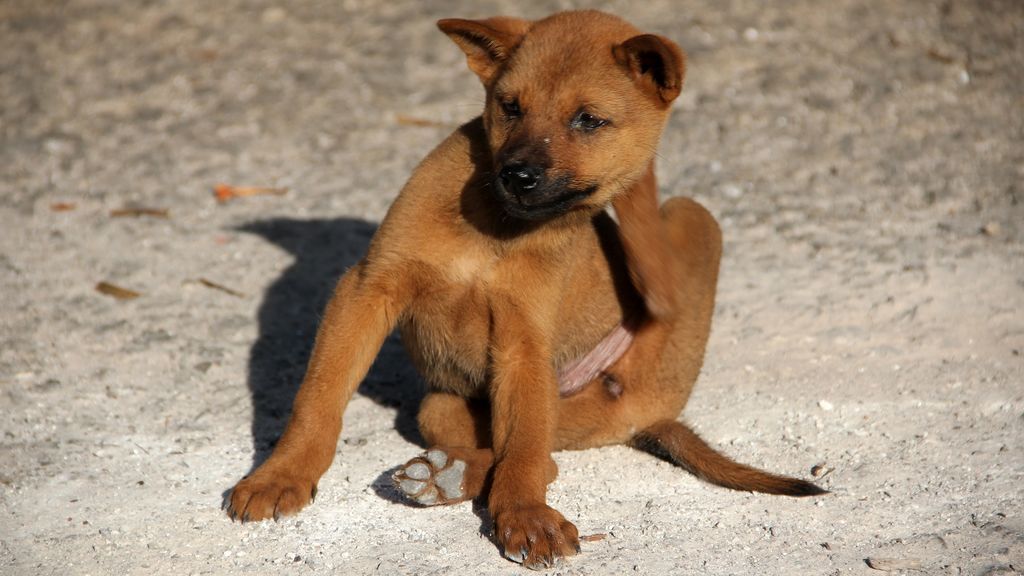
(865, 159)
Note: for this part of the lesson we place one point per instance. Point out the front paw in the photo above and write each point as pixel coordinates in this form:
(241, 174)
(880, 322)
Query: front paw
(536, 536)
(267, 494)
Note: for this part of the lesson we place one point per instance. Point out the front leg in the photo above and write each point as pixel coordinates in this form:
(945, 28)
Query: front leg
(524, 404)
(360, 315)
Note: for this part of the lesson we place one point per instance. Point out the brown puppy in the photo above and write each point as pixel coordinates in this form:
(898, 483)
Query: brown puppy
(538, 322)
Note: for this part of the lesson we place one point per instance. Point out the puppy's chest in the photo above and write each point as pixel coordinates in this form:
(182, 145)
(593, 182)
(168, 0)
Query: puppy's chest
(447, 327)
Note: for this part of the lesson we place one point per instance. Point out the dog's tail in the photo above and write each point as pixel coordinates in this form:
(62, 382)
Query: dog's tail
(674, 442)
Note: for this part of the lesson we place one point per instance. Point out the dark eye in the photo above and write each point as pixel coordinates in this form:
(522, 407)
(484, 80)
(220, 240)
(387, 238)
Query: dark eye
(511, 108)
(587, 122)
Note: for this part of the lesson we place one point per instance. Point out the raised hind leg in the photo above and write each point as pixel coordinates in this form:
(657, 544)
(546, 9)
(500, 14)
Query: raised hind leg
(653, 380)
(647, 389)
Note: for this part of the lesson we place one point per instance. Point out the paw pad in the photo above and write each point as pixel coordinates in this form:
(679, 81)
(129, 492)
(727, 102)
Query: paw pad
(432, 478)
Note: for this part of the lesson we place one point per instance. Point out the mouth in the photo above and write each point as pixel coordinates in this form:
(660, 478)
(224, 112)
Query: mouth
(549, 206)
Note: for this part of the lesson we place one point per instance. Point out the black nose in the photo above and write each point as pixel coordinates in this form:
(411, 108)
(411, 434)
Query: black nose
(520, 178)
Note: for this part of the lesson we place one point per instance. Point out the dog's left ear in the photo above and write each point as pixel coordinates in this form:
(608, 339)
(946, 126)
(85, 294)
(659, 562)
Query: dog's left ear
(487, 43)
(656, 63)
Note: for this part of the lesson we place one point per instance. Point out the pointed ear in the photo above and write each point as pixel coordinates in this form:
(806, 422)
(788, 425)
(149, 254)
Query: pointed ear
(655, 63)
(487, 43)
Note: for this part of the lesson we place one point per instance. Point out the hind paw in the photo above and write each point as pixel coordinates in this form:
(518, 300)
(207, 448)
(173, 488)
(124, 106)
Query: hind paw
(434, 478)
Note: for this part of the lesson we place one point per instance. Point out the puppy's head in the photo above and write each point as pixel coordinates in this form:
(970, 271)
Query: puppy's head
(575, 105)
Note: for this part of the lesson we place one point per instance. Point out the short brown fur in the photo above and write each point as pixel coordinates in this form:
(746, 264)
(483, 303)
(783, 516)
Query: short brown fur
(497, 277)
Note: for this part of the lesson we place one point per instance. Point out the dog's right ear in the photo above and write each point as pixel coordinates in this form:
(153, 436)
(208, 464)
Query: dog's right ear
(487, 43)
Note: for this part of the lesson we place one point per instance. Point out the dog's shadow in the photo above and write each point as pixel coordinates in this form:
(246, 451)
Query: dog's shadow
(288, 319)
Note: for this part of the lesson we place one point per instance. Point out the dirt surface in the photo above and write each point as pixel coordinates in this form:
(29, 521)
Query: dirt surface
(865, 160)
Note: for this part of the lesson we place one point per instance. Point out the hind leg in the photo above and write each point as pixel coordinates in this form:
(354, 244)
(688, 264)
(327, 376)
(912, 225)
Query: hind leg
(457, 464)
(458, 461)
(653, 380)
(696, 242)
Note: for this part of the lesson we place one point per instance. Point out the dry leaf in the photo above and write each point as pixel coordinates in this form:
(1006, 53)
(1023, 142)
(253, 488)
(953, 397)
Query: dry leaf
(940, 57)
(62, 206)
(137, 212)
(221, 287)
(116, 291)
(593, 537)
(225, 192)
